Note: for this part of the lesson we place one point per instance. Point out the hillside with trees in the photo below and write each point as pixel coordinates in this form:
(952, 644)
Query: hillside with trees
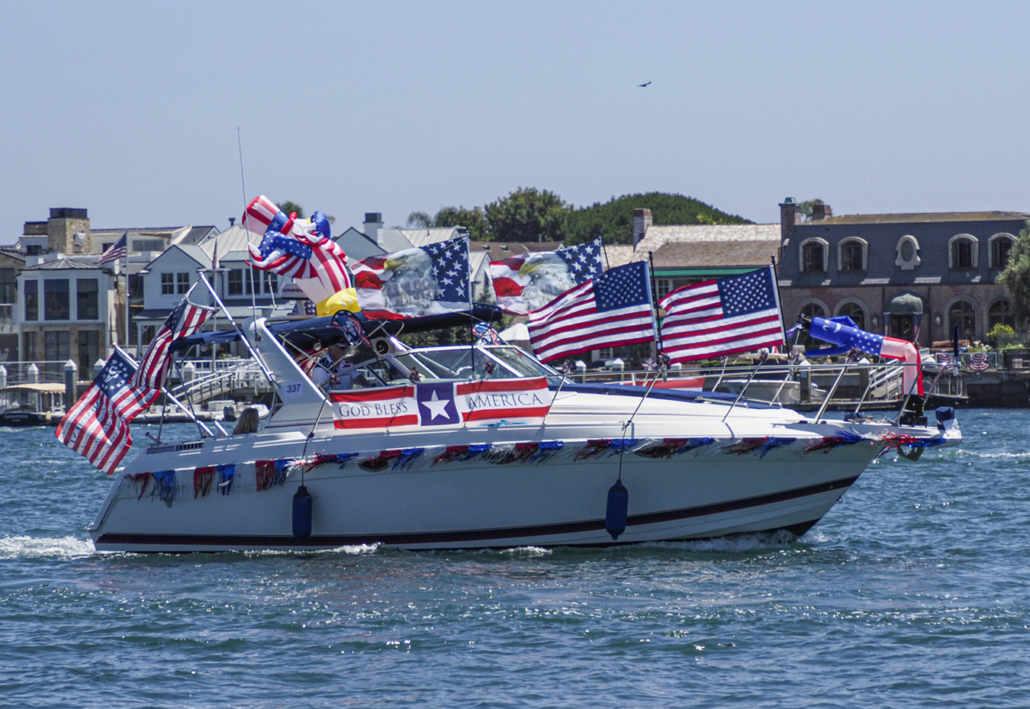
(529, 214)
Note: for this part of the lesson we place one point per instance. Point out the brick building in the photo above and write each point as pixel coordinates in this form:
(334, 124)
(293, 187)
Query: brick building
(911, 276)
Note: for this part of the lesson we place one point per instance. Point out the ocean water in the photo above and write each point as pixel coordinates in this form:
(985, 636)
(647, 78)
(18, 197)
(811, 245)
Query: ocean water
(914, 591)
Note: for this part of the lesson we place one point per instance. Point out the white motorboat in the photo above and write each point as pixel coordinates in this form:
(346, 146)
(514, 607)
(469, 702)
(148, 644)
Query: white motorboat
(603, 464)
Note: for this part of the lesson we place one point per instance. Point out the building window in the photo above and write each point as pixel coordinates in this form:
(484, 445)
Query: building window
(811, 309)
(962, 251)
(271, 282)
(853, 310)
(55, 299)
(182, 282)
(852, 255)
(30, 346)
(31, 301)
(1001, 246)
(963, 314)
(236, 281)
(148, 245)
(56, 346)
(8, 288)
(813, 256)
(1000, 313)
(167, 284)
(87, 302)
(664, 287)
(89, 351)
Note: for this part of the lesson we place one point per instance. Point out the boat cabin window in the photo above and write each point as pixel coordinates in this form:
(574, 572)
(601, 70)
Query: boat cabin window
(497, 362)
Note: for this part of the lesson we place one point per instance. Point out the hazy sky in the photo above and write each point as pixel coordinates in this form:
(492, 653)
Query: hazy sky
(131, 109)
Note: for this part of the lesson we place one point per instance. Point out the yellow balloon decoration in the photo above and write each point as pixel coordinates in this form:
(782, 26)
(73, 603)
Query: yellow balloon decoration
(347, 299)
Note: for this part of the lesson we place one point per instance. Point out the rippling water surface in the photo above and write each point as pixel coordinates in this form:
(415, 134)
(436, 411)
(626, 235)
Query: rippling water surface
(914, 591)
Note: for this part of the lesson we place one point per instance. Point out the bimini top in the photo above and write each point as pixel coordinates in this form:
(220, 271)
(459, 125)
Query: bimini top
(328, 330)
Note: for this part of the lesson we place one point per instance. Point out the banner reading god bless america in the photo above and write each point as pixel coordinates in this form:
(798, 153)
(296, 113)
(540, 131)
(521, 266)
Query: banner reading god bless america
(443, 403)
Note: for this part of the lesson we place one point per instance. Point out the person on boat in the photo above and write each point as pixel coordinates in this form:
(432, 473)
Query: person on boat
(333, 370)
(247, 423)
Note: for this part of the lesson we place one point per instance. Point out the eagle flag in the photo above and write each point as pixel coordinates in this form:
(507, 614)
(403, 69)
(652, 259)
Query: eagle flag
(531, 280)
(97, 426)
(429, 280)
(610, 310)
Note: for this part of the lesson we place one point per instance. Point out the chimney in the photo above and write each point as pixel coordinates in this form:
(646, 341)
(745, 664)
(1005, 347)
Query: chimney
(821, 211)
(790, 215)
(62, 227)
(641, 221)
(374, 227)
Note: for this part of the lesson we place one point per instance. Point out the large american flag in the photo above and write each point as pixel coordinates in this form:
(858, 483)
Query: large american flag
(184, 320)
(722, 317)
(117, 251)
(611, 310)
(97, 426)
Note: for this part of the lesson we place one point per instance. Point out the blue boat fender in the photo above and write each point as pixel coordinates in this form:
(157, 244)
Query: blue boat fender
(302, 506)
(618, 509)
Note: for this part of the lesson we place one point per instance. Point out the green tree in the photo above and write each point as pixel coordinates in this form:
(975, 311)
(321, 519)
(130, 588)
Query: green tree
(808, 207)
(528, 214)
(472, 219)
(1016, 276)
(291, 207)
(613, 220)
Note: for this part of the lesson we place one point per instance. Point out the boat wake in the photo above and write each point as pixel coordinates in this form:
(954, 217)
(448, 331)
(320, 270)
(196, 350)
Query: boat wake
(45, 548)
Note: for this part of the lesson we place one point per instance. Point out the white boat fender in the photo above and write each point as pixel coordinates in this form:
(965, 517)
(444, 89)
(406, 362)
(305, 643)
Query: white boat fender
(618, 508)
(302, 506)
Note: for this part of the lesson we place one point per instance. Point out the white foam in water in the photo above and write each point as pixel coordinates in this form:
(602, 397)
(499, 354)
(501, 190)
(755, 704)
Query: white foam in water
(43, 547)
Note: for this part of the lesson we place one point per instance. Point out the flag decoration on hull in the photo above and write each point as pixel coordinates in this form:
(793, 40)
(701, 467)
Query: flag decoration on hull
(442, 403)
(429, 280)
(531, 280)
(610, 310)
(845, 334)
(184, 320)
(301, 249)
(722, 317)
(119, 250)
(97, 426)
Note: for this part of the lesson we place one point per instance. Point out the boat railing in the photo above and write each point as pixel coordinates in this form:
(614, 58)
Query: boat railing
(46, 372)
(877, 385)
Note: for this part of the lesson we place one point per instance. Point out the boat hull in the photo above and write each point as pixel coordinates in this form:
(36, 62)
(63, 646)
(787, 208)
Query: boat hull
(709, 492)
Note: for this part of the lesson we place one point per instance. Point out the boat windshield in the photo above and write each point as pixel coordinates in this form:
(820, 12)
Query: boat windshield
(462, 362)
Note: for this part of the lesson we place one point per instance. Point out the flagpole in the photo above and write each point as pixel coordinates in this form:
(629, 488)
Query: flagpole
(128, 339)
(654, 304)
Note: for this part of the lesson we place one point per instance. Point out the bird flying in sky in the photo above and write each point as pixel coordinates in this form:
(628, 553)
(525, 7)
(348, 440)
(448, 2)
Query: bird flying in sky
(644, 85)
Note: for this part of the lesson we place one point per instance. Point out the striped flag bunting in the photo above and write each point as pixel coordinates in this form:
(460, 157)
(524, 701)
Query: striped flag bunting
(442, 403)
(185, 319)
(119, 250)
(722, 317)
(97, 426)
(611, 310)
(529, 281)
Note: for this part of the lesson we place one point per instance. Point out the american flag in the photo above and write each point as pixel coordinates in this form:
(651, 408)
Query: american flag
(979, 361)
(97, 426)
(429, 280)
(610, 310)
(119, 250)
(526, 278)
(184, 320)
(721, 317)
